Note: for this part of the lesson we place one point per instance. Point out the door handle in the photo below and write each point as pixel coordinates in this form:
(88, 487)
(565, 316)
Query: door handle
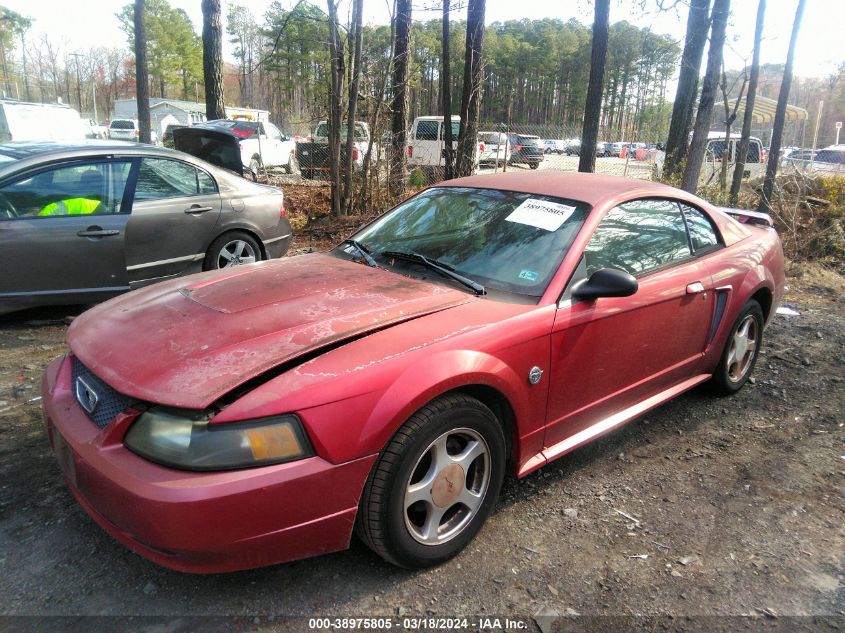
(195, 209)
(695, 288)
(93, 231)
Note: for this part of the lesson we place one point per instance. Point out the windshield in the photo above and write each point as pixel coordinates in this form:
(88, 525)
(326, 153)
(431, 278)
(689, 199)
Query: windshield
(493, 138)
(360, 131)
(122, 124)
(508, 241)
(830, 156)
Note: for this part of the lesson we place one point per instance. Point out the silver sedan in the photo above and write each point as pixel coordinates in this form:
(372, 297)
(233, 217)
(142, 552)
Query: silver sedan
(83, 222)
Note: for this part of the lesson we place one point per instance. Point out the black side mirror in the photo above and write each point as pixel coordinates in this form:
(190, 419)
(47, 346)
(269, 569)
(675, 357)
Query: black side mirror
(605, 282)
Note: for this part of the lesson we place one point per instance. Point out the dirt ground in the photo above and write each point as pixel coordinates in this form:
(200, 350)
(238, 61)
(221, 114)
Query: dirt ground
(705, 507)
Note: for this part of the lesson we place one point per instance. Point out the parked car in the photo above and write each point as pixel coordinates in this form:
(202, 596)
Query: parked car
(829, 159)
(493, 148)
(616, 148)
(483, 326)
(98, 131)
(124, 130)
(573, 147)
(554, 146)
(604, 149)
(262, 145)
(313, 155)
(83, 222)
(24, 121)
(526, 149)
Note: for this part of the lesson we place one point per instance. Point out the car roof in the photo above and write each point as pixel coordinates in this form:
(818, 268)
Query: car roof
(29, 154)
(590, 188)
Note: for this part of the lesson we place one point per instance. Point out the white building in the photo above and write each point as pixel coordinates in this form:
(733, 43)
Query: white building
(185, 112)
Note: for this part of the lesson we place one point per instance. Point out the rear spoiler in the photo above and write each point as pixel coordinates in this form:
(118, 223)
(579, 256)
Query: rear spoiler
(748, 217)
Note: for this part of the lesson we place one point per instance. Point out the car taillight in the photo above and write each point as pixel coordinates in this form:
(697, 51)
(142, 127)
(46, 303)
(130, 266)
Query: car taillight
(137, 133)
(355, 154)
(517, 147)
(282, 210)
(481, 146)
(762, 155)
(410, 151)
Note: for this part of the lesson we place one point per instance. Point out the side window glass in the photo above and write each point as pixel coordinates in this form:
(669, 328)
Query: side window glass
(161, 178)
(456, 130)
(273, 131)
(206, 183)
(702, 233)
(427, 130)
(78, 189)
(639, 237)
(753, 153)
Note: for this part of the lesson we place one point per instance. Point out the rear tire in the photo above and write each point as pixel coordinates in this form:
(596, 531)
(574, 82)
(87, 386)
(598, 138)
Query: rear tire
(291, 166)
(233, 248)
(534, 165)
(741, 351)
(254, 166)
(434, 484)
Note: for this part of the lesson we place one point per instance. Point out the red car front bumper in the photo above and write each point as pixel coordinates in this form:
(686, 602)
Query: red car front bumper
(199, 522)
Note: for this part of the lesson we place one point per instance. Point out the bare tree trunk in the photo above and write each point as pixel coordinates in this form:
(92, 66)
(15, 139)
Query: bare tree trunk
(399, 104)
(471, 97)
(24, 68)
(335, 109)
(365, 194)
(357, 28)
(446, 92)
(765, 205)
(679, 127)
(695, 156)
(748, 117)
(212, 60)
(592, 107)
(141, 81)
(730, 117)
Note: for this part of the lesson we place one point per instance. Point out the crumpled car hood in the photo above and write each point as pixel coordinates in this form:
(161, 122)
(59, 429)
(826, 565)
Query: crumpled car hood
(186, 342)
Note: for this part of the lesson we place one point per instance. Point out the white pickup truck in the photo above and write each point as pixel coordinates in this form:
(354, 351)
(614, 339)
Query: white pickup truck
(313, 154)
(262, 145)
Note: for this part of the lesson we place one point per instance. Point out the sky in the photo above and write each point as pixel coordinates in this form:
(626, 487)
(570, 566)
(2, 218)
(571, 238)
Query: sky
(92, 23)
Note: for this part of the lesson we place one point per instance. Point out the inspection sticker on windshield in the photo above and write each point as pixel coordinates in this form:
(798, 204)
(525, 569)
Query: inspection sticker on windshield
(541, 213)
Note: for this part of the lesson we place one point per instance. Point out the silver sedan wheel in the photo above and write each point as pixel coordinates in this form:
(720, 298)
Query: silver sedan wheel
(235, 253)
(743, 349)
(447, 486)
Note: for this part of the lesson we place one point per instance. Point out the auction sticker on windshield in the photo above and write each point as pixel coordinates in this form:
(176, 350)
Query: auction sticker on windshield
(541, 214)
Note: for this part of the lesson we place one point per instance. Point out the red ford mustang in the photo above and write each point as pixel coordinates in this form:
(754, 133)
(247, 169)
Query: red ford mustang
(251, 416)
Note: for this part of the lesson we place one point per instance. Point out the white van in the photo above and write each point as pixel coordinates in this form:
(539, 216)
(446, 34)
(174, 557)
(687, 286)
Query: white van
(24, 121)
(426, 148)
(755, 158)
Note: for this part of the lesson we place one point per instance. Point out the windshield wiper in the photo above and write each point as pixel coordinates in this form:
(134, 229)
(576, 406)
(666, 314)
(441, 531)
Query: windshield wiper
(443, 269)
(365, 254)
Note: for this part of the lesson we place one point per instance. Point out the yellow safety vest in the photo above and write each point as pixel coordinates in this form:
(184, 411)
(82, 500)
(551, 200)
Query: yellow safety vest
(71, 206)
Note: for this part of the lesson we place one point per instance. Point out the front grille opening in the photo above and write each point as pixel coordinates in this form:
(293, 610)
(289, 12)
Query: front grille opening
(109, 402)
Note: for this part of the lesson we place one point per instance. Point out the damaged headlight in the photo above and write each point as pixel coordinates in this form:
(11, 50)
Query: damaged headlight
(186, 440)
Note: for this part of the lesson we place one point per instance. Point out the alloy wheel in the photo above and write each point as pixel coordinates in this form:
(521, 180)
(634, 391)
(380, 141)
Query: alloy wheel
(235, 253)
(447, 486)
(743, 349)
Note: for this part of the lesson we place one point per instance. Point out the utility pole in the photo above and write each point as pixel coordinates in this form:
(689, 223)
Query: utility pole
(78, 81)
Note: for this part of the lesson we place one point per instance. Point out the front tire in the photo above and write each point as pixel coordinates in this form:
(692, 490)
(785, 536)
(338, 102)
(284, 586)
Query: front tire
(741, 351)
(232, 249)
(435, 483)
(534, 165)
